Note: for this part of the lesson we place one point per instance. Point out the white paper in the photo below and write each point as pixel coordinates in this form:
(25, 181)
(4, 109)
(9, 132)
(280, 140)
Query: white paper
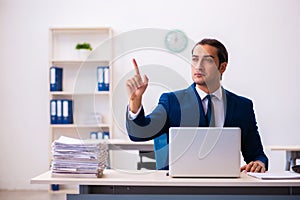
(275, 175)
(75, 156)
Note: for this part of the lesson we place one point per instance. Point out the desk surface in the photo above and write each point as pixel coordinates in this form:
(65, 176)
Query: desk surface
(128, 142)
(159, 178)
(285, 148)
(121, 144)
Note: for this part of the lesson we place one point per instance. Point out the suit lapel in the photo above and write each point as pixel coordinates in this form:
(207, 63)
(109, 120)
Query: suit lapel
(228, 107)
(195, 107)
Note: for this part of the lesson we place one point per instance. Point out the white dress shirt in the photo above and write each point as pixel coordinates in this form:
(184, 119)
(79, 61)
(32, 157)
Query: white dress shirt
(218, 103)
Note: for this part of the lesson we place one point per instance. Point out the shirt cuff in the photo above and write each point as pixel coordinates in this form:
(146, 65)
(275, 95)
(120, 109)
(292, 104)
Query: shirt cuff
(131, 115)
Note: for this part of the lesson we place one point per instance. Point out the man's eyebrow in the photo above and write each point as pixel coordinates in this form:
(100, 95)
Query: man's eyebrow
(205, 56)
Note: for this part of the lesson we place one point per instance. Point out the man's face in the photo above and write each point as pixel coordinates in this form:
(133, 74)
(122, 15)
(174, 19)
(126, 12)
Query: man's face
(205, 66)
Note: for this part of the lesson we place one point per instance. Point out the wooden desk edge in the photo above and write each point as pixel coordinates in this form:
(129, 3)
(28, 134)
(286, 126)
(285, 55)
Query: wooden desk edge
(284, 148)
(243, 181)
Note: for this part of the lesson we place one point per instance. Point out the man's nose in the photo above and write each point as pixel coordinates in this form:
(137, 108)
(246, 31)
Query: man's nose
(199, 65)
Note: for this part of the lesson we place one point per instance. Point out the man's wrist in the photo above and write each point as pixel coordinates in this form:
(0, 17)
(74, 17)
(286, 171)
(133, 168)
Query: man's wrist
(134, 105)
(133, 116)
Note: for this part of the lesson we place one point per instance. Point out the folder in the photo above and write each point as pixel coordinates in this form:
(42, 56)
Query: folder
(56, 76)
(53, 111)
(67, 111)
(105, 135)
(103, 78)
(59, 111)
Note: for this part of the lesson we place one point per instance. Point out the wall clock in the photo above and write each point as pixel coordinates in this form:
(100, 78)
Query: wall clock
(176, 41)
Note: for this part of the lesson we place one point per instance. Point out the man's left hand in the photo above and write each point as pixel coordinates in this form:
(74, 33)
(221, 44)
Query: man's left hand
(254, 166)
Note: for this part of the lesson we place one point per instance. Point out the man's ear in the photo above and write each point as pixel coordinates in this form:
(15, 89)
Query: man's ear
(223, 67)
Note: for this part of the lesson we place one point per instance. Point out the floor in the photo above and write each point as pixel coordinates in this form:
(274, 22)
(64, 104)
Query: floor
(31, 195)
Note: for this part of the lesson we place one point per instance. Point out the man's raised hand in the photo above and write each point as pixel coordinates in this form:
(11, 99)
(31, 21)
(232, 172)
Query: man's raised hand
(136, 87)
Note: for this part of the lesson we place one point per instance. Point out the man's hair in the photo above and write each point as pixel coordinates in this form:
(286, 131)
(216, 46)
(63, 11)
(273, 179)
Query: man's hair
(222, 52)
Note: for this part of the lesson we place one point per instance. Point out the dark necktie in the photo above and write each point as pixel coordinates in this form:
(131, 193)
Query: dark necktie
(210, 119)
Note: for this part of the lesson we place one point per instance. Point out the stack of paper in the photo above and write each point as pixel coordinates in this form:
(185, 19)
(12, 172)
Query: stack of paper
(78, 158)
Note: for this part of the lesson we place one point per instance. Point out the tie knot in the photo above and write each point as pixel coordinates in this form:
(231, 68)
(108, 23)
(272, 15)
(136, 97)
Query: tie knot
(208, 97)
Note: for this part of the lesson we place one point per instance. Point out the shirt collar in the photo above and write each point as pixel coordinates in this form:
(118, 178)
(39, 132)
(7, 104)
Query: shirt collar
(217, 93)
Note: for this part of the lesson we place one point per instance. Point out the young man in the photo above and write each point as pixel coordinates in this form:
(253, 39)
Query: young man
(188, 107)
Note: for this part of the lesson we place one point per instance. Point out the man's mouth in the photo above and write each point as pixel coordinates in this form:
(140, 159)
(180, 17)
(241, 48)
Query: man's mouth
(199, 74)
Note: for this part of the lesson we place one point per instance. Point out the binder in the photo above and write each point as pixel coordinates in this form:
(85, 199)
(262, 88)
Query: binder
(103, 78)
(59, 111)
(53, 111)
(105, 135)
(67, 111)
(56, 76)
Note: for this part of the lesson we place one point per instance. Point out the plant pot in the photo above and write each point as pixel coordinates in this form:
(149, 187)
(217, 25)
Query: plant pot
(83, 54)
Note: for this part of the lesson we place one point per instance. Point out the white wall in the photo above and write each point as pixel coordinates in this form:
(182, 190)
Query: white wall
(262, 37)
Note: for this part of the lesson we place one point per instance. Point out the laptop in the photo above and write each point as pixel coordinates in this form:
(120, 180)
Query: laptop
(204, 152)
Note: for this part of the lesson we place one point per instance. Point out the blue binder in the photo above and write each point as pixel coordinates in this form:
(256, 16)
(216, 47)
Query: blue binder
(53, 111)
(103, 78)
(67, 111)
(59, 110)
(56, 76)
(105, 135)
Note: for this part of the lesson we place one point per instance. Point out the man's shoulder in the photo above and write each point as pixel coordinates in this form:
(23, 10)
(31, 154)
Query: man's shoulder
(236, 97)
(179, 93)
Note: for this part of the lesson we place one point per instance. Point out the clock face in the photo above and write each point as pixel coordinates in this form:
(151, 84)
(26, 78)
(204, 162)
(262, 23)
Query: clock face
(176, 41)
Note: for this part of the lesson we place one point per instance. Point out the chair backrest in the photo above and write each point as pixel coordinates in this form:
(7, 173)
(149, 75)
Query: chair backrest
(161, 150)
(151, 164)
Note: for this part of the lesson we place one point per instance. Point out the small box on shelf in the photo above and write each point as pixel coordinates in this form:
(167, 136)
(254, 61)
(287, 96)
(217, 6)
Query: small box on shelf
(99, 135)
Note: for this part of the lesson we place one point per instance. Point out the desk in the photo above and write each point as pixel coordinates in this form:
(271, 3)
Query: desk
(292, 154)
(157, 183)
(121, 144)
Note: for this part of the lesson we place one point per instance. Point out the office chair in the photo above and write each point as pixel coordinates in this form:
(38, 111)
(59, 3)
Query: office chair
(160, 154)
(161, 150)
(149, 164)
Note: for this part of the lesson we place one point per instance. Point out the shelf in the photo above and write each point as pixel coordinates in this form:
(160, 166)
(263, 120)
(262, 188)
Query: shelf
(81, 93)
(79, 29)
(78, 61)
(80, 81)
(80, 126)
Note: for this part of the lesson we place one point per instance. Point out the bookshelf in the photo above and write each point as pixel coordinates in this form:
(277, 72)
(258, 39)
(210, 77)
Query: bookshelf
(91, 108)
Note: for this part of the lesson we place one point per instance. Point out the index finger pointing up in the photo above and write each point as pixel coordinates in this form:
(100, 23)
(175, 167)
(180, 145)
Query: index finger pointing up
(136, 68)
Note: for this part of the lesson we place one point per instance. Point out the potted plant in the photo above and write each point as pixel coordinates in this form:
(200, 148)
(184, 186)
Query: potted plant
(84, 49)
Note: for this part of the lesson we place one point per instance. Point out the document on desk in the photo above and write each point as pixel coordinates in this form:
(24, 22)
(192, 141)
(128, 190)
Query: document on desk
(78, 158)
(275, 175)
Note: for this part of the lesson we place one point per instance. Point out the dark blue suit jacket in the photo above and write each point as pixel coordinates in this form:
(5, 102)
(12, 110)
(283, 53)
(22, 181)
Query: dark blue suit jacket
(183, 108)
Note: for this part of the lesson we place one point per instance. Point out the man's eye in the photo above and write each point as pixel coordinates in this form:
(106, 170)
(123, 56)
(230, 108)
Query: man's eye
(208, 60)
(195, 59)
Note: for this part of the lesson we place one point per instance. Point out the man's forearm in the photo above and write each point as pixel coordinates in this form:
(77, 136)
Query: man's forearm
(135, 104)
